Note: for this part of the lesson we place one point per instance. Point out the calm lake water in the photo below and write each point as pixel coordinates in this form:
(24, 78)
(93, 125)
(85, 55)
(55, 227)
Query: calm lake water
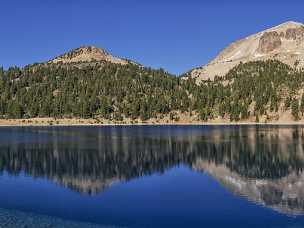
(166, 176)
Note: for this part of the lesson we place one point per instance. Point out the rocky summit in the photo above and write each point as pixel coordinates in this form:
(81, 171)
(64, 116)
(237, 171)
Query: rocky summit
(87, 54)
(284, 43)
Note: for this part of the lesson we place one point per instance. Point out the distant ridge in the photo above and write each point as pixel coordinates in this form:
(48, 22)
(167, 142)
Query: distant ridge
(87, 54)
(284, 42)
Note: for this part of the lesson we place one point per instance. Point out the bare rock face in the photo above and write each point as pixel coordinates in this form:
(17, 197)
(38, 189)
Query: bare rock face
(269, 42)
(295, 33)
(87, 54)
(284, 43)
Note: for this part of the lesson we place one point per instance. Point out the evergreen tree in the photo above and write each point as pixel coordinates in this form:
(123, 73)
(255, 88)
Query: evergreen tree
(295, 109)
(302, 105)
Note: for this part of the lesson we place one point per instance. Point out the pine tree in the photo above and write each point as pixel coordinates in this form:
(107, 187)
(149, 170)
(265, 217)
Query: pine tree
(302, 105)
(295, 109)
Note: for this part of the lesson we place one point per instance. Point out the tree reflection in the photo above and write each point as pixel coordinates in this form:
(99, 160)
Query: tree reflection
(258, 162)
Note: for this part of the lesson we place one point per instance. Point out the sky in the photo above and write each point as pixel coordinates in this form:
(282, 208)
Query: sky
(176, 35)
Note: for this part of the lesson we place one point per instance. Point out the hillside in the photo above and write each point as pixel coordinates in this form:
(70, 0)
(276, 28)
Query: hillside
(284, 42)
(87, 83)
(97, 90)
(261, 91)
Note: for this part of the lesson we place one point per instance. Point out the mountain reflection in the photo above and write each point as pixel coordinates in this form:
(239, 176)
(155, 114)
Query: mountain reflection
(263, 164)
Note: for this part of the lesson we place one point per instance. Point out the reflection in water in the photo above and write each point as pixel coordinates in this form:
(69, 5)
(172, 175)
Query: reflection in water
(263, 164)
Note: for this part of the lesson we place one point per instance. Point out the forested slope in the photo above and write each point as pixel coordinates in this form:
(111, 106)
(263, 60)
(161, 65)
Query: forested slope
(111, 91)
(262, 91)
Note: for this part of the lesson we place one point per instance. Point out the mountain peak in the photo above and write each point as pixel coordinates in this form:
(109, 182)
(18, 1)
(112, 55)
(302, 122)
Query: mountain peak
(284, 42)
(87, 54)
(286, 25)
(291, 23)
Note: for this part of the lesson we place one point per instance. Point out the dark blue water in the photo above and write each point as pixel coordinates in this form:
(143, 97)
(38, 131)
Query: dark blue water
(172, 176)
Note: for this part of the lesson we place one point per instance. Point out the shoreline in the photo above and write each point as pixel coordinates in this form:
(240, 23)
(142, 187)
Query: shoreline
(50, 122)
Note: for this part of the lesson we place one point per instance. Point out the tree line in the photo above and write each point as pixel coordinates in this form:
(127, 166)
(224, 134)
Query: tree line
(115, 92)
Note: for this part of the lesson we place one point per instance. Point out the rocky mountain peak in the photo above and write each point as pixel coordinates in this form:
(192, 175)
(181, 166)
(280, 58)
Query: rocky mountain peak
(286, 25)
(284, 42)
(87, 54)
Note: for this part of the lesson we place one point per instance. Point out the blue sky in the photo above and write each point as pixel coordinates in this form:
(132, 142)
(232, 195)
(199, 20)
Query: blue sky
(173, 34)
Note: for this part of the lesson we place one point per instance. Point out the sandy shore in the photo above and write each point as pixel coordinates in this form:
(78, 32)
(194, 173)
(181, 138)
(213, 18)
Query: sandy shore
(95, 122)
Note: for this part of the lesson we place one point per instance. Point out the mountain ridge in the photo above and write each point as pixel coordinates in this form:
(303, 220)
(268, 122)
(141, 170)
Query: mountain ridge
(87, 54)
(90, 83)
(284, 42)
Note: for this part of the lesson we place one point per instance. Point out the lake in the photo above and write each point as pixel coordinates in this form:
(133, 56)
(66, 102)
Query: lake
(152, 176)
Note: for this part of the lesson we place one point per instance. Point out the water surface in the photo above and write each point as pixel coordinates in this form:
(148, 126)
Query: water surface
(165, 176)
